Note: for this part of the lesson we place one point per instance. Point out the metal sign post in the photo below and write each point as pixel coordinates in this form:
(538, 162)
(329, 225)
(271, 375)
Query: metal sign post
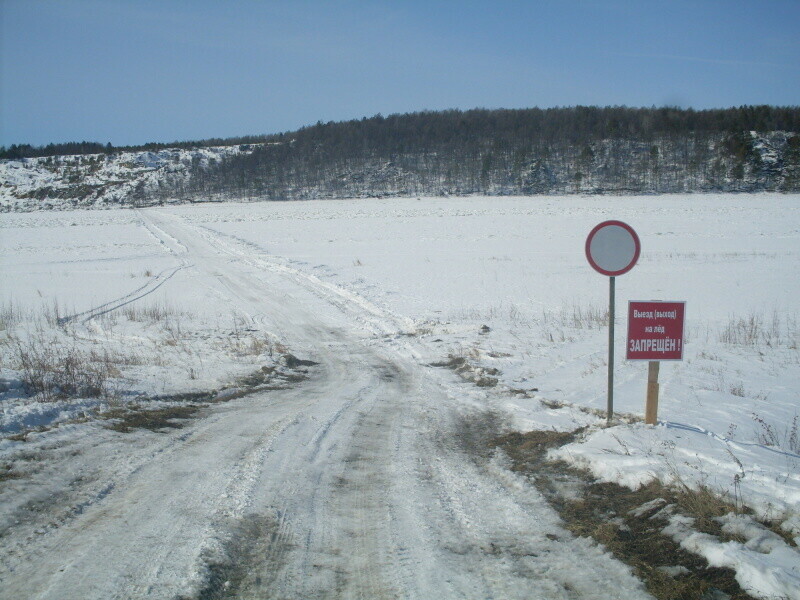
(611, 313)
(612, 248)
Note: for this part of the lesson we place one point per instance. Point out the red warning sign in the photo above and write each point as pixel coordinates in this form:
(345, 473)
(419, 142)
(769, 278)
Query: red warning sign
(655, 330)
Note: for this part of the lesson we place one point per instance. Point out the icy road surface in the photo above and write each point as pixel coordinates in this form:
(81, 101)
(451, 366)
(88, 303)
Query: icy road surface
(357, 483)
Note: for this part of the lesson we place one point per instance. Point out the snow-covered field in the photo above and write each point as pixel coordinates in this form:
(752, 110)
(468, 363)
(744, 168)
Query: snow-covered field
(193, 298)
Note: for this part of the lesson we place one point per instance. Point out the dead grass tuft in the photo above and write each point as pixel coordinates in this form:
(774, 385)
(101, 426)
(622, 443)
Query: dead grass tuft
(251, 345)
(757, 329)
(128, 419)
(577, 317)
(786, 438)
(57, 370)
(704, 505)
(152, 313)
(10, 315)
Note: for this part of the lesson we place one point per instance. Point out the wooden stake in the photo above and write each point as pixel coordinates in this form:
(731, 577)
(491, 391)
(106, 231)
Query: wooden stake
(651, 408)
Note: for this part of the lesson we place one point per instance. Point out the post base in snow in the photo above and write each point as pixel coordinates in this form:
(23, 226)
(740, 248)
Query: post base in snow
(651, 406)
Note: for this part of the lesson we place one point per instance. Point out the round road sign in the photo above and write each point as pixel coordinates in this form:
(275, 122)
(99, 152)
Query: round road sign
(612, 248)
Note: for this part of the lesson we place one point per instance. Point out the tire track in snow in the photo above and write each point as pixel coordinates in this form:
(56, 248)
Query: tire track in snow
(148, 288)
(145, 290)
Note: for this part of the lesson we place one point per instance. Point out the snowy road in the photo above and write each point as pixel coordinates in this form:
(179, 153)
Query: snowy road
(357, 483)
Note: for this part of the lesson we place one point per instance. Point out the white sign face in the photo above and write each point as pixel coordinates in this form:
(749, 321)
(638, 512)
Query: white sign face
(612, 248)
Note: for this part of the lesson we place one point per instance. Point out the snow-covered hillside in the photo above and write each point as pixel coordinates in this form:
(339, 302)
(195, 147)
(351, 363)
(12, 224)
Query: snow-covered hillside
(103, 180)
(312, 164)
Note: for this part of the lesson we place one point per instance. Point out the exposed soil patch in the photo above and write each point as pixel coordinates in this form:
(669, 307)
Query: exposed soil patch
(453, 362)
(480, 376)
(185, 397)
(7, 473)
(628, 523)
(256, 541)
(292, 362)
(127, 419)
(142, 416)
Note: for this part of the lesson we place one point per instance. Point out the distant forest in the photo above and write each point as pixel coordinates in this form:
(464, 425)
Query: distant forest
(498, 152)
(531, 151)
(581, 123)
(18, 151)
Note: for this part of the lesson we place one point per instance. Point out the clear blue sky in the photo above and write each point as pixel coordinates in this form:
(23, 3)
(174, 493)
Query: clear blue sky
(134, 71)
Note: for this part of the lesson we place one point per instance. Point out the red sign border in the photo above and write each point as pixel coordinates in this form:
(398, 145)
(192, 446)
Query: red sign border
(683, 331)
(636, 242)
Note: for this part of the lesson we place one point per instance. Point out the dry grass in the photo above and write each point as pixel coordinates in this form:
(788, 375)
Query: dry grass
(152, 313)
(57, 370)
(758, 329)
(69, 361)
(505, 311)
(702, 503)
(608, 513)
(737, 389)
(784, 438)
(557, 326)
(10, 315)
(638, 541)
(251, 345)
(48, 315)
(577, 317)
